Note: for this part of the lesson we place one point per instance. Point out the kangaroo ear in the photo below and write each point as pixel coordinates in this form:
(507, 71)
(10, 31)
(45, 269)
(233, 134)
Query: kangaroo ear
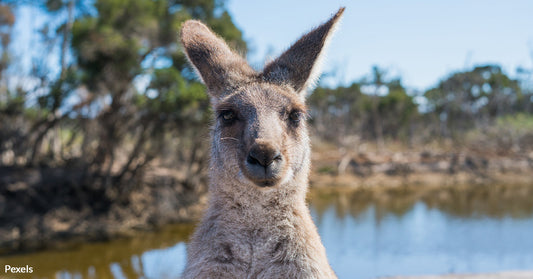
(218, 66)
(299, 65)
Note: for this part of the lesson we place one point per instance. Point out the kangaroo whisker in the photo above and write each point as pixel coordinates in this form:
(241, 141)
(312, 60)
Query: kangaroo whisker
(229, 138)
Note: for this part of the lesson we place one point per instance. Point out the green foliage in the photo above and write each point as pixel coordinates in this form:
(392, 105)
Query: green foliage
(337, 113)
(12, 102)
(114, 123)
(465, 98)
(510, 134)
(175, 96)
(59, 91)
(520, 123)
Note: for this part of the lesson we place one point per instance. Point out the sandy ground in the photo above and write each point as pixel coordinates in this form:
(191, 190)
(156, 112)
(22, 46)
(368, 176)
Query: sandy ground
(500, 275)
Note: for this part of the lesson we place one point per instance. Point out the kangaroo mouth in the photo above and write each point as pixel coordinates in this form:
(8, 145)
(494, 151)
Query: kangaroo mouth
(266, 183)
(262, 181)
(263, 176)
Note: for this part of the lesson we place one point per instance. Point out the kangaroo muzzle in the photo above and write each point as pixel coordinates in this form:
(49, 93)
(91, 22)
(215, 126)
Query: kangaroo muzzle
(264, 164)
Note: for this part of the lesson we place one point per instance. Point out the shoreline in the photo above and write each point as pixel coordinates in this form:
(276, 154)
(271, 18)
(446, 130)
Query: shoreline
(422, 168)
(418, 180)
(495, 275)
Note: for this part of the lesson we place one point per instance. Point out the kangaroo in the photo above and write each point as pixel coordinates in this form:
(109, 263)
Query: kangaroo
(257, 224)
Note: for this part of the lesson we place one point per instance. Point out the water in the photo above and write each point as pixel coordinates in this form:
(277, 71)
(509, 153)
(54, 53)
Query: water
(367, 234)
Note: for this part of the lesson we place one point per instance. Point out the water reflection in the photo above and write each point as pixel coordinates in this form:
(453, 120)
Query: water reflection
(495, 201)
(147, 255)
(410, 231)
(368, 233)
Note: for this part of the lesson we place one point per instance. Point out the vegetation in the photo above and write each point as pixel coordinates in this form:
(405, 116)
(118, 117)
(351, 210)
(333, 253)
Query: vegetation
(97, 115)
(366, 110)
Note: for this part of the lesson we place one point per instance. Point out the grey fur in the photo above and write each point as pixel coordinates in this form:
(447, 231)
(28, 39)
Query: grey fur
(257, 226)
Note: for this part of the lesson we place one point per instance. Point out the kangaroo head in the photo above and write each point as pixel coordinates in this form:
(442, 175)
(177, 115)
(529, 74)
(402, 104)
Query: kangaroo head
(260, 133)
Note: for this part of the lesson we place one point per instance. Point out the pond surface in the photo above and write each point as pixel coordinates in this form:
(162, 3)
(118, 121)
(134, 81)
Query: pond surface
(368, 233)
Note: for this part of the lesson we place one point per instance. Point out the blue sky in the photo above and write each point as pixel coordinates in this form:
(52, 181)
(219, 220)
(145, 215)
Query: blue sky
(422, 41)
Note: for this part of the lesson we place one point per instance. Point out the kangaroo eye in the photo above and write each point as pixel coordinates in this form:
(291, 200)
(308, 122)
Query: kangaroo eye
(295, 117)
(228, 116)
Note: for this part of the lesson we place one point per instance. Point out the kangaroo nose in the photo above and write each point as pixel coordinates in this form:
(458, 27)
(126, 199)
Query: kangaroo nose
(263, 154)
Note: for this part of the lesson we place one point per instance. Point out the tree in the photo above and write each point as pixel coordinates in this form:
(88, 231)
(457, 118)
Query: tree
(7, 19)
(368, 110)
(377, 83)
(128, 96)
(476, 97)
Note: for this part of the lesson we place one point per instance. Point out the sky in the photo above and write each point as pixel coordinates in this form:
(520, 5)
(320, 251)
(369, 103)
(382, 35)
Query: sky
(421, 41)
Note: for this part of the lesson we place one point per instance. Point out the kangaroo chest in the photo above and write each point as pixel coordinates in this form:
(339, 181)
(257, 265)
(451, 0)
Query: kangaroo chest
(253, 242)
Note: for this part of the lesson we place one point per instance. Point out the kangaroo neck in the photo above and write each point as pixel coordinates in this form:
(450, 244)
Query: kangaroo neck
(249, 201)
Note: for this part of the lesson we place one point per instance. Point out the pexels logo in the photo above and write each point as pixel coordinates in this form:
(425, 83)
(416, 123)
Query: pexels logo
(18, 269)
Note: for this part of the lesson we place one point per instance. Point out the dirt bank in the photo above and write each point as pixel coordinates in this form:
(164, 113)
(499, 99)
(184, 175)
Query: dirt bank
(40, 207)
(335, 167)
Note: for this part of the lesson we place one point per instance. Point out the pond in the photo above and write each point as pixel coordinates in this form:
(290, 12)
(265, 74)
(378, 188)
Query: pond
(368, 233)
